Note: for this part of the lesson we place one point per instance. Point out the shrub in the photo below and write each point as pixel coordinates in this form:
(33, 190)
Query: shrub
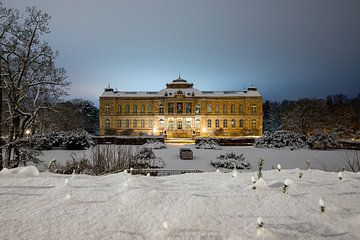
(208, 144)
(282, 139)
(323, 141)
(231, 160)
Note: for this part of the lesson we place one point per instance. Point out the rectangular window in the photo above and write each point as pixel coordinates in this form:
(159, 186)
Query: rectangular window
(241, 123)
(188, 107)
(209, 123)
(119, 109)
(209, 108)
(135, 109)
(134, 123)
(233, 123)
(197, 123)
(149, 109)
(170, 108)
(225, 123)
(161, 109)
(107, 109)
(241, 108)
(224, 108)
(233, 108)
(127, 123)
(142, 123)
(253, 108)
(179, 107)
(217, 108)
(198, 109)
(119, 123)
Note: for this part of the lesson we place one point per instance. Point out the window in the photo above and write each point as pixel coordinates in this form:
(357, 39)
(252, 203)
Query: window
(151, 123)
(107, 124)
(170, 107)
(171, 125)
(225, 123)
(119, 110)
(135, 109)
(149, 108)
(161, 108)
(198, 109)
(209, 108)
(217, 123)
(188, 124)
(142, 123)
(241, 108)
(209, 123)
(161, 122)
(197, 123)
(134, 123)
(179, 124)
(217, 108)
(253, 108)
(253, 124)
(107, 109)
(179, 107)
(127, 123)
(188, 107)
(127, 108)
(233, 108)
(119, 123)
(224, 108)
(233, 123)
(142, 108)
(241, 123)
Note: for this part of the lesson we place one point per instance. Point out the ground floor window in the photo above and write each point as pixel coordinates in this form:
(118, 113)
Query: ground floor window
(119, 123)
(127, 123)
(253, 124)
(233, 123)
(217, 123)
(142, 123)
(241, 123)
(134, 123)
(225, 123)
(107, 124)
(209, 123)
(179, 125)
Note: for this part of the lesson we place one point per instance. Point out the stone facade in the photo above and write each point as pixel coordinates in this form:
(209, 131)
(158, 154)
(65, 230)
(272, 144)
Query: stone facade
(181, 111)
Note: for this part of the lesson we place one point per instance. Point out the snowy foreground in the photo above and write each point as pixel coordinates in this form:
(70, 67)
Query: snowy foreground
(190, 206)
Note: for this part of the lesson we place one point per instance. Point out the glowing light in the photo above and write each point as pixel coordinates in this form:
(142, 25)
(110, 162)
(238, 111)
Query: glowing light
(28, 131)
(154, 129)
(204, 129)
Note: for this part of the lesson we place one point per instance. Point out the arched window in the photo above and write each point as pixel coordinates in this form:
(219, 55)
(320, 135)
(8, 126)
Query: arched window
(107, 109)
(107, 124)
(127, 123)
(149, 108)
(217, 123)
(224, 108)
(209, 108)
(241, 123)
(135, 108)
(119, 123)
(161, 108)
(217, 108)
(127, 108)
(241, 108)
(134, 123)
(119, 110)
(233, 123)
(253, 108)
(225, 123)
(161, 122)
(197, 123)
(209, 123)
(142, 123)
(233, 108)
(142, 108)
(253, 124)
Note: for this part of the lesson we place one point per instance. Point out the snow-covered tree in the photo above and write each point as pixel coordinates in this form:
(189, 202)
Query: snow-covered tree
(30, 79)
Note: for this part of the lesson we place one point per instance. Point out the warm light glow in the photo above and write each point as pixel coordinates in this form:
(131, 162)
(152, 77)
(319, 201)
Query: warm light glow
(154, 129)
(28, 131)
(204, 129)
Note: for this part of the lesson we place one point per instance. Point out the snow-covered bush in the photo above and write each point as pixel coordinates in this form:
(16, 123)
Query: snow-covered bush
(146, 158)
(154, 144)
(323, 141)
(231, 160)
(77, 140)
(208, 144)
(42, 143)
(282, 139)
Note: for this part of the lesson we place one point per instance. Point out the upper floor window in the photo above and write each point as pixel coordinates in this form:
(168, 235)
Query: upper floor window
(225, 108)
(188, 107)
(142, 123)
(225, 123)
(149, 108)
(142, 108)
(119, 123)
(134, 123)
(217, 108)
(233, 123)
(253, 108)
(161, 108)
(127, 108)
(241, 108)
(179, 107)
(209, 108)
(151, 123)
(107, 109)
(233, 108)
(127, 123)
(170, 107)
(198, 109)
(119, 109)
(209, 123)
(135, 108)
(217, 123)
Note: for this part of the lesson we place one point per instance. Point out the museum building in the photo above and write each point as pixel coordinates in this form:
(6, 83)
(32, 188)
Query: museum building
(181, 111)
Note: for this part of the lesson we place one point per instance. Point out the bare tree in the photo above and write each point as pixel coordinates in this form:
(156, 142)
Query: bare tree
(31, 81)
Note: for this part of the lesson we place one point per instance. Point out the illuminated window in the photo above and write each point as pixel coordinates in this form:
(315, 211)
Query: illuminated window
(197, 123)
(188, 107)
(233, 123)
(179, 107)
(253, 108)
(161, 121)
(225, 123)
(198, 109)
(107, 124)
(107, 109)
(217, 123)
(170, 107)
(241, 123)
(209, 123)
(253, 124)
(171, 125)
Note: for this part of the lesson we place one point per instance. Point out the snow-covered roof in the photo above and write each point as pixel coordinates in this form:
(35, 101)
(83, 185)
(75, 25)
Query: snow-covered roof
(180, 87)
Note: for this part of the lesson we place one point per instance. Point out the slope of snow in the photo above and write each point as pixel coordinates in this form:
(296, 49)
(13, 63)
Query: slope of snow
(190, 206)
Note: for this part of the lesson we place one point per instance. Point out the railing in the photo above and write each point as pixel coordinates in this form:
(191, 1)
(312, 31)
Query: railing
(161, 172)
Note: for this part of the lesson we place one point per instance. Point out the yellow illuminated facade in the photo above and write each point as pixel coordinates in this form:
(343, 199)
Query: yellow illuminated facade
(181, 111)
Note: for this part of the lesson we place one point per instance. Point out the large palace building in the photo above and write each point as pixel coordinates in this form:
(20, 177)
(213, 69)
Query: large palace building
(181, 111)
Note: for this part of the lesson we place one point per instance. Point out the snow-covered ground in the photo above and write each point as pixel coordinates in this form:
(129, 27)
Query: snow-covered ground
(330, 160)
(190, 206)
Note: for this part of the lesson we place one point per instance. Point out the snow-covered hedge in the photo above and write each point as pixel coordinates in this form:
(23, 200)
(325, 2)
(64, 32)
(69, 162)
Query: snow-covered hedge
(282, 139)
(323, 141)
(208, 144)
(146, 158)
(231, 160)
(154, 144)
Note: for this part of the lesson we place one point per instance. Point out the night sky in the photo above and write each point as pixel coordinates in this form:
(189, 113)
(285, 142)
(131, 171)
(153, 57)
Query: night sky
(288, 49)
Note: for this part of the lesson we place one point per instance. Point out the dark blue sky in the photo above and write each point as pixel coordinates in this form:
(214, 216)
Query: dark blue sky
(288, 49)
